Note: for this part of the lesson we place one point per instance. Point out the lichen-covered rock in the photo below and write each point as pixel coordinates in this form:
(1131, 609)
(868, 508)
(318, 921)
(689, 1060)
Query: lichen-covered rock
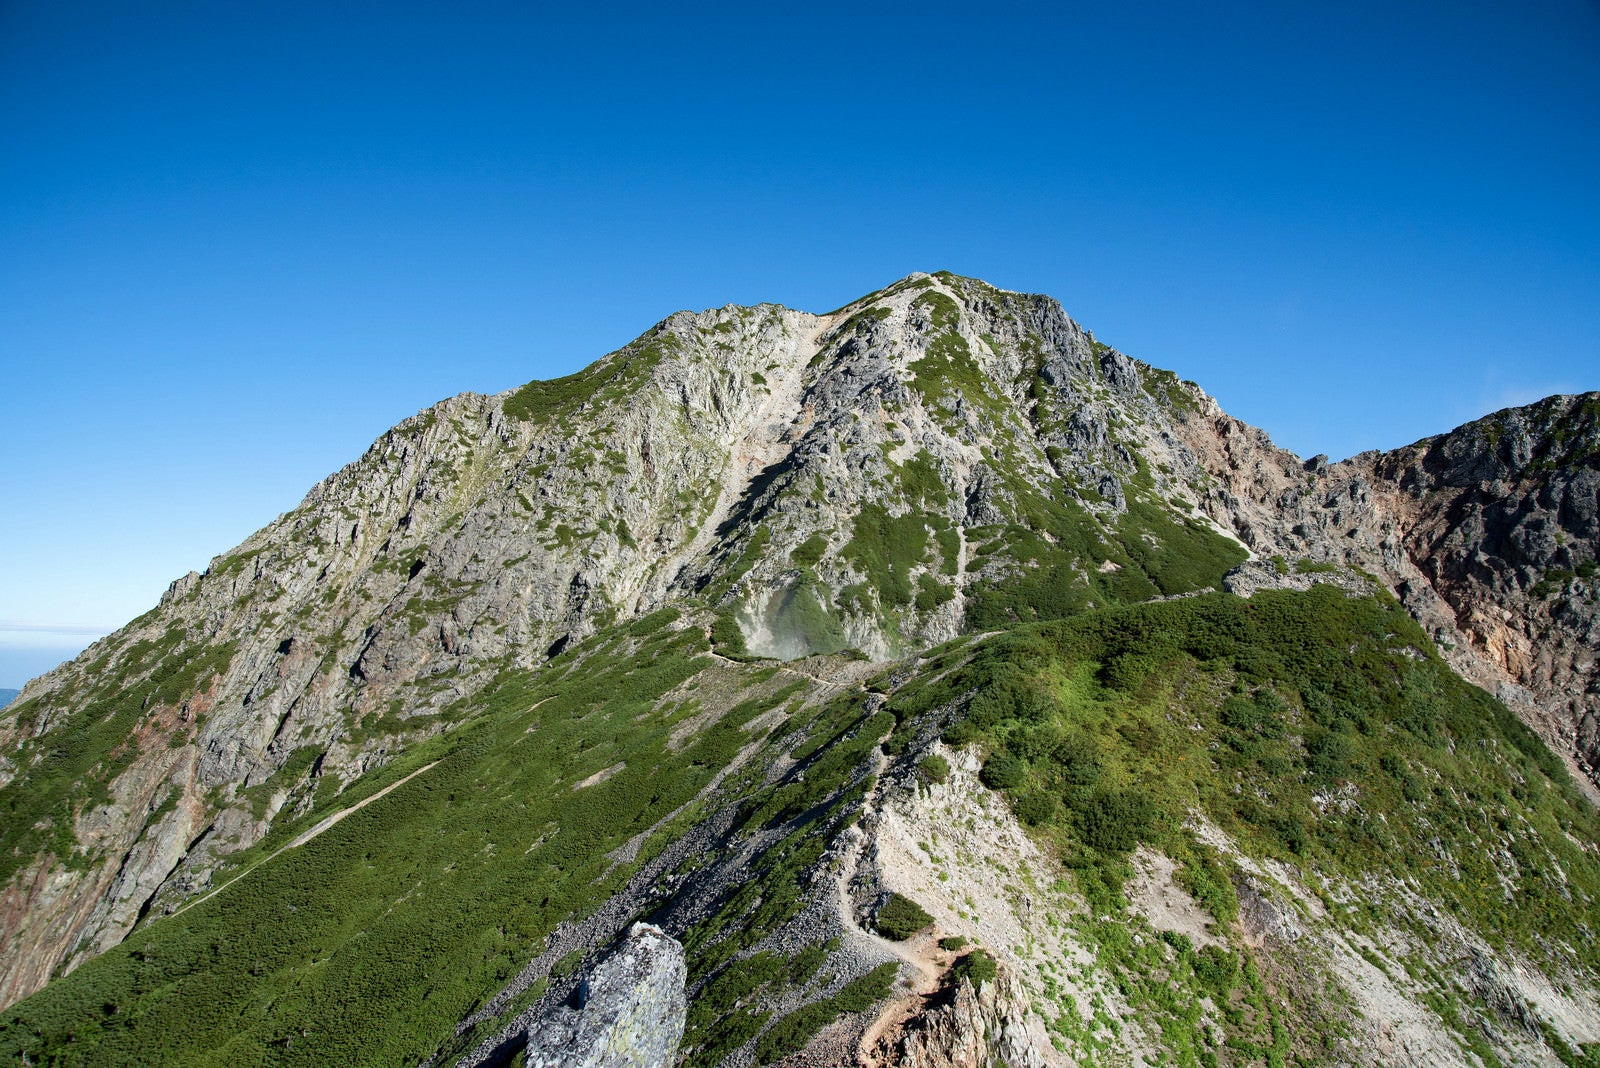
(629, 1011)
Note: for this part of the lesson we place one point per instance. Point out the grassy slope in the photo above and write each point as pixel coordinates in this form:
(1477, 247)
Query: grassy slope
(367, 944)
(1316, 730)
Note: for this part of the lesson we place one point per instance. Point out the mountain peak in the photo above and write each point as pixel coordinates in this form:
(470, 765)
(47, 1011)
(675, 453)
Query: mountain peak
(741, 576)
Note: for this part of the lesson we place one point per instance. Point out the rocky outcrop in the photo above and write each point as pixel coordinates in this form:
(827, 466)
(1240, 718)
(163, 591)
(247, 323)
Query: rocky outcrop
(1488, 534)
(628, 1013)
(1502, 517)
(988, 1026)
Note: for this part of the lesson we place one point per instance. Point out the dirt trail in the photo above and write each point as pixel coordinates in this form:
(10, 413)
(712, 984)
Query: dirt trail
(847, 676)
(931, 962)
(921, 952)
(304, 837)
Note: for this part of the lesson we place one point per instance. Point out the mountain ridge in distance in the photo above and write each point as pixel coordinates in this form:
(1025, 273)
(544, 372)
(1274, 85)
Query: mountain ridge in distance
(786, 600)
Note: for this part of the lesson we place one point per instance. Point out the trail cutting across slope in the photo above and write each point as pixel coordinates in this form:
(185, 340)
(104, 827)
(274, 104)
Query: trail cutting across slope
(305, 837)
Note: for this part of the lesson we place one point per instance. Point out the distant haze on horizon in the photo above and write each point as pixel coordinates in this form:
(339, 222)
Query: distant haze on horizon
(243, 241)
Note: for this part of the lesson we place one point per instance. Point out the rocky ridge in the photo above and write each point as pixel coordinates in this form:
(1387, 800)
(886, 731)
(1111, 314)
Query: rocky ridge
(982, 1027)
(1488, 534)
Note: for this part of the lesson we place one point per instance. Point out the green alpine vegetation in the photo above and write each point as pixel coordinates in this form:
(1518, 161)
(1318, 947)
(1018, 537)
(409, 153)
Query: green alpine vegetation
(1314, 730)
(367, 943)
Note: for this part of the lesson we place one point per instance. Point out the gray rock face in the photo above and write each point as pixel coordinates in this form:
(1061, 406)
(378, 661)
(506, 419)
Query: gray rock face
(1263, 916)
(631, 1012)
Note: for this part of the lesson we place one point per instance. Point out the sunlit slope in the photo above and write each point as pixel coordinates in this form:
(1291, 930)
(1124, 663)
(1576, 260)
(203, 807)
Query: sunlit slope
(1388, 863)
(365, 944)
(1304, 733)
(936, 457)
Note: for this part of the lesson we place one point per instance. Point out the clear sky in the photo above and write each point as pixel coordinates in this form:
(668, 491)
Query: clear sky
(240, 240)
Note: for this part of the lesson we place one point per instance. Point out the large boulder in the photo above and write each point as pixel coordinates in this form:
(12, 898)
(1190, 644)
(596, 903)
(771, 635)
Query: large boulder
(627, 1013)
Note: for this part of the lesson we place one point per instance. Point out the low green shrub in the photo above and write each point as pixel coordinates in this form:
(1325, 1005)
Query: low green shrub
(727, 637)
(1003, 771)
(793, 1031)
(977, 968)
(899, 918)
(1114, 821)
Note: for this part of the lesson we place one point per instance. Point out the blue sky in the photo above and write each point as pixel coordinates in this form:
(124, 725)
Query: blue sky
(241, 240)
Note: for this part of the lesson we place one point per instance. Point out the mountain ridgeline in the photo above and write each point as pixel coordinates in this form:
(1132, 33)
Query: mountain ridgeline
(954, 689)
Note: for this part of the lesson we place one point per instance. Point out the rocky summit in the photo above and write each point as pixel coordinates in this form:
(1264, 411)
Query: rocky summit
(921, 683)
